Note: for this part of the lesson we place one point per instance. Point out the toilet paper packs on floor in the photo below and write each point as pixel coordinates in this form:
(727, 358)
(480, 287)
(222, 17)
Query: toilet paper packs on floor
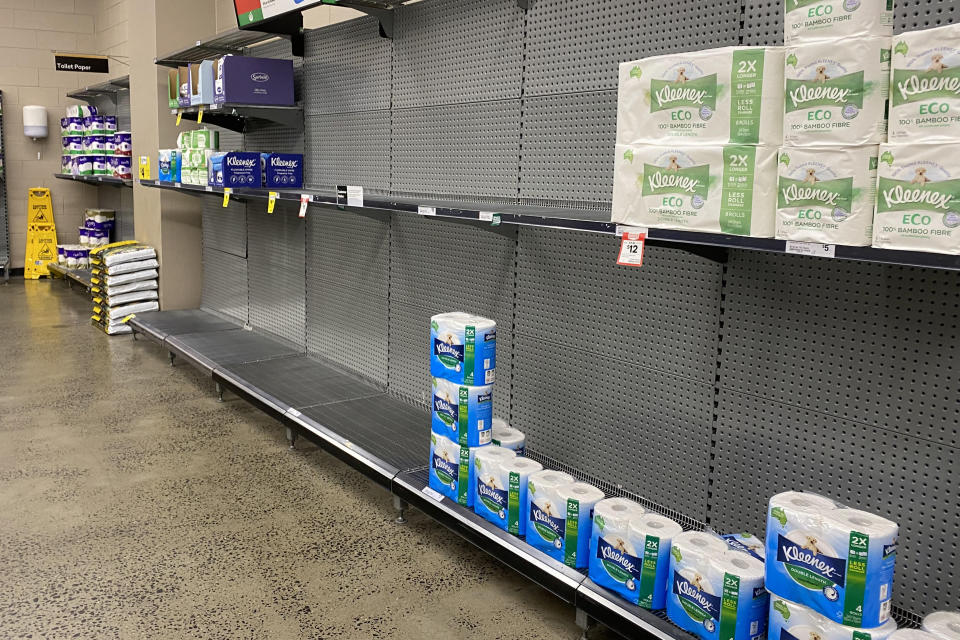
(561, 516)
(506, 436)
(809, 20)
(716, 96)
(791, 621)
(918, 199)
(451, 469)
(943, 624)
(925, 86)
(491, 500)
(836, 93)
(827, 194)
(837, 561)
(713, 189)
(463, 348)
(615, 563)
(462, 413)
(715, 592)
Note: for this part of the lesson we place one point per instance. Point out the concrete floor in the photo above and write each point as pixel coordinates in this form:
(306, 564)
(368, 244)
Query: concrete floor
(133, 505)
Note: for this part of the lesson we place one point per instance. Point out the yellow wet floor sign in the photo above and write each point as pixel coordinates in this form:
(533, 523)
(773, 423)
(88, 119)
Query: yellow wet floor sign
(41, 234)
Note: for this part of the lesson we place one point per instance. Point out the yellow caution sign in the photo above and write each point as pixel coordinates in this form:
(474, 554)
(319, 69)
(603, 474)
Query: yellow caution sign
(41, 234)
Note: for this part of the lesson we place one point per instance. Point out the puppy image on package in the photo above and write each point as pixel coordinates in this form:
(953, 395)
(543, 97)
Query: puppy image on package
(925, 87)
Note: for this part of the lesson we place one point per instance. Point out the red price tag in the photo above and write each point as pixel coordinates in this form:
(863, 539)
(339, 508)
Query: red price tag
(305, 199)
(631, 249)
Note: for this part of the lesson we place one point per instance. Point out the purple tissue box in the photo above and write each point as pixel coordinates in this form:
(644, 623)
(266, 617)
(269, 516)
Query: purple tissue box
(282, 170)
(243, 80)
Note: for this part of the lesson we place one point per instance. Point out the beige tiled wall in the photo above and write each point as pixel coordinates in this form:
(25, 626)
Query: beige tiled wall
(30, 30)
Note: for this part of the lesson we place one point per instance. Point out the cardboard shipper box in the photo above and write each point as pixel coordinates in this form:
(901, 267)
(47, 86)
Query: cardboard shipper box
(244, 80)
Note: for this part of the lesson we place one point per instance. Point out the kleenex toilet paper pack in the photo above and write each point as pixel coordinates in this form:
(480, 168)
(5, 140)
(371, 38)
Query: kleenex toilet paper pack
(451, 469)
(614, 561)
(506, 436)
(925, 86)
(715, 592)
(837, 561)
(518, 472)
(943, 624)
(811, 20)
(463, 348)
(827, 194)
(463, 413)
(918, 199)
(791, 621)
(492, 488)
(716, 96)
(651, 535)
(714, 189)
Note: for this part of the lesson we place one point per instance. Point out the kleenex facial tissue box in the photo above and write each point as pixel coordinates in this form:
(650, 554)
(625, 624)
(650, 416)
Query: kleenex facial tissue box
(243, 80)
(282, 170)
(236, 169)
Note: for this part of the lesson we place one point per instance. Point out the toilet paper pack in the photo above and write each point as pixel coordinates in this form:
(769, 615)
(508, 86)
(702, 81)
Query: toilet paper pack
(811, 20)
(791, 621)
(746, 543)
(615, 563)
(925, 86)
(518, 472)
(546, 512)
(463, 413)
(827, 194)
(918, 199)
(713, 189)
(506, 436)
(716, 96)
(837, 561)
(451, 469)
(836, 92)
(715, 592)
(463, 348)
(492, 487)
(943, 624)
(652, 536)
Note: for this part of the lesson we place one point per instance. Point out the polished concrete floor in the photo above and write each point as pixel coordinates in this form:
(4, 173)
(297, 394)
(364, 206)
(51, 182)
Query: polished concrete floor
(133, 505)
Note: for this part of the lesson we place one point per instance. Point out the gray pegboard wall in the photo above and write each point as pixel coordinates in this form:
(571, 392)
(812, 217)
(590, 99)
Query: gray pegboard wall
(225, 285)
(924, 14)
(225, 228)
(121, 201)
(348, 149)
(348, 276)
(762, 23)
(275, 250)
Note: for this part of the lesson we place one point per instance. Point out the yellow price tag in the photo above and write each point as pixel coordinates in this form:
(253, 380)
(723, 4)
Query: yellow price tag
(144, 167)
(200, 114)
(179, 116)
(226, 196)
(271, 201)
(129, 318)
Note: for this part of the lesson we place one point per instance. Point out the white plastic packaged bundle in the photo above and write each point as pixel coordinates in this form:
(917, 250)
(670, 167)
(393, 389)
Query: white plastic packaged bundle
(129, 267)
(128, 254)
(141, 285)
(925, 86)
(136, 276)
(117, 313)
(133, 296)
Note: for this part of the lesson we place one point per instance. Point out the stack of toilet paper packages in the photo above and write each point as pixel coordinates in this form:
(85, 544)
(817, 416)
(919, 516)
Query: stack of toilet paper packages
(91, 144)
(97, 227)
(74, 256)
(829, 562)
(918, 199)
(714, 590)
(560, 516)
(124, 283)
(837, 77)
(697, 138)
(194, 149)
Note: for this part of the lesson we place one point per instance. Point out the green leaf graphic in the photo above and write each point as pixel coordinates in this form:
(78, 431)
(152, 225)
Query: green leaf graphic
(781, 606)
(636, 72)
(676, 554)
(477, 464)
(792, 60)
(433, 325)
(887, 157)
(628, 155)
(901, 48)
(433, 439)
(598, 520)
(531, 487)
(784, 159)
(781, 517)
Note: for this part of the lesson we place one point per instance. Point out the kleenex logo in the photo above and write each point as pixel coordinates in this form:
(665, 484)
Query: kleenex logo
(624, 560)
(260, 76)
(234, 161)
(498, 497)
(808, 567)
(280, 162)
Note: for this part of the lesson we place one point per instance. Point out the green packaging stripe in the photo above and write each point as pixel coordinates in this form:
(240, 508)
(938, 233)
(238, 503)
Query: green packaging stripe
(747, 96)
(823, 193)
(856, 581)
(728, 605)
(736, 204)
(648, 571)
(671, 94)
(570, 533)
(469, 353)
(463, 406)
(834, 92)
(688, 181)
(901, 195)
(513, 504)
(463, 482)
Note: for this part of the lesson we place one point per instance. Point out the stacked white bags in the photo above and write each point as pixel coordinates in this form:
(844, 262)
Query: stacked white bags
(837, 78)
(124, 283)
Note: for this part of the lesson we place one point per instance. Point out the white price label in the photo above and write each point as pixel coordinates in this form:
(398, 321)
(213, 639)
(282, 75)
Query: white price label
(436, 495)
(631, 249)
(208, 188)
(294, 413)
(354, 196)
(177, 185)
(427, 211)
(486, 216)
(305, 199)
(811, 249)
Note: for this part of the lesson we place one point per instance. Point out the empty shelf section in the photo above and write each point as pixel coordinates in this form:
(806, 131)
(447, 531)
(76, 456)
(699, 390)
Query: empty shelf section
(211, 349)
(157, 325)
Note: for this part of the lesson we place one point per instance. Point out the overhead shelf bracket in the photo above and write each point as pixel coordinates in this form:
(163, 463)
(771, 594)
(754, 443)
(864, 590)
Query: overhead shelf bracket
(523, 4)
(384, 16)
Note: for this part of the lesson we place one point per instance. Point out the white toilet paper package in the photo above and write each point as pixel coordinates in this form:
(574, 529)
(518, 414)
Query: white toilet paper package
(811, 20)
(791, 621)
(918, 199)
(116, 313)
(837, 561)
(614, 562)
(943, 624)
(463, 348)
(451, 469)
(142, 285)
(714, 189)
(129, 253)
(518, 472)
(506, 436)
(715, 592)
(133, 296)
(746, 543)
(136, 276)
(925, 86)
(492, 489)
(130, 267)
(836, 93)
(463, 413)
(827, 194)
(559, 516)
(717, 96)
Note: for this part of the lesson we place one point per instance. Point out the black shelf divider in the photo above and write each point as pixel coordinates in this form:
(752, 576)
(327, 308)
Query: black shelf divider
(96, 180)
